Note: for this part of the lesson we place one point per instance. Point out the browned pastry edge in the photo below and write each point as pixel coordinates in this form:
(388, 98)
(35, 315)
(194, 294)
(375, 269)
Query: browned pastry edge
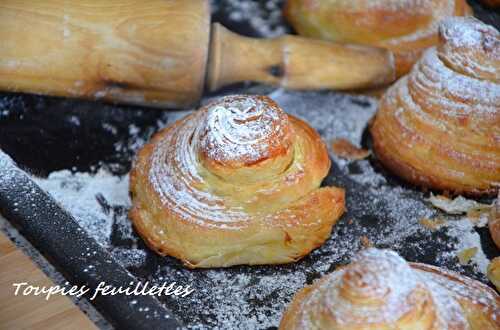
(493, 272)
(406, 52)
(313, 233)
(293, 309)
(494, 222)
(436, 127)
(322, 234)
(491, 3)
(427, 181)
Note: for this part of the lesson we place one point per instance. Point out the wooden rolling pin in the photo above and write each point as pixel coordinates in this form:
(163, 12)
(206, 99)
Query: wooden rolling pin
(159, 53)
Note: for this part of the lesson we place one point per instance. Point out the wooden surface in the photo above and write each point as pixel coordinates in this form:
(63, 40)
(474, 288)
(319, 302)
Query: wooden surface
(148, 52)
(295, 62)
(32, 312)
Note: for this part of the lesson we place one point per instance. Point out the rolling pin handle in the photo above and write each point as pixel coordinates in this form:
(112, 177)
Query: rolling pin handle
(295, 62)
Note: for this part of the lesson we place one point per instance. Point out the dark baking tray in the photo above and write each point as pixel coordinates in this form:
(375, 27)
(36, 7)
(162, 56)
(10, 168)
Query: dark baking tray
(41, 135)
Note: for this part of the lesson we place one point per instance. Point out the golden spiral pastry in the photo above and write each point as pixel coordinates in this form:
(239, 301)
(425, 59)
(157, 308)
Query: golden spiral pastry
(236, 182)
(406, 27)
(439, 127)
(380, 290)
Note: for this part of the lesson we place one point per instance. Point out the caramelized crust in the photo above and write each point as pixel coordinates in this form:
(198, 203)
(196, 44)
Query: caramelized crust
(405, 27)
(439, 127)
(380, 290)
(494, 222)
(491, 3)
(494, 272)
(237, 182)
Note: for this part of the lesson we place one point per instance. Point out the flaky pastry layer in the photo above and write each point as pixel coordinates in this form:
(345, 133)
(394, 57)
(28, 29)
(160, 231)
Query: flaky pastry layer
(439, 127)
(236, 182)
(406, 27)
(380, 290)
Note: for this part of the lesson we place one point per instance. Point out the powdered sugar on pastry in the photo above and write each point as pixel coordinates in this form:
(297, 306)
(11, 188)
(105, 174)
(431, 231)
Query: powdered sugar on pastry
(236, 182)
(235, 132)
(471, 47)
(173, 174)
(379, 289)
(388, 285)
(438, 10)
(392, 5)
(454, 93)
(243, 130)
(467, 32)
(255, 297)
(451, 93)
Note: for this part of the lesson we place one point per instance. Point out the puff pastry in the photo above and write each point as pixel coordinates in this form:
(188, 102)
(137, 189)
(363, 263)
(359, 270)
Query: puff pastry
(494, 272)
(439, 127)
(236, 182)
(491, 3)
(406, 27)
(494, 222)
(380, 290)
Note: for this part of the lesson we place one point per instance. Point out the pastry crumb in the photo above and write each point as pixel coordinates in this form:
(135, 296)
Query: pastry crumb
(494, 272)
(432, 224)
(459, 205)
(465, 256)
(476, 214)
(365, 242)
(345, 149)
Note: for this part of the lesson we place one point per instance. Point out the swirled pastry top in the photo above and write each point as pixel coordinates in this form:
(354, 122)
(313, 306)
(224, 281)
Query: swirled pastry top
(440, 126)
(238, 164)
(380, 290)
(244, 131)
(201, 168)
(406, 27)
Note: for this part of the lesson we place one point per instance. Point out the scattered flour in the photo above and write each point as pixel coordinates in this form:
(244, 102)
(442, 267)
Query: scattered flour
(243, 297)
(263, 16)
(130, 257)
(468, 238)
(255, 297)
(84, 195)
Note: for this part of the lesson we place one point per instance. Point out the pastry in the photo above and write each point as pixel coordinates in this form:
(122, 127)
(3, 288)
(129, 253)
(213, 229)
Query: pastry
(406, 27)
(494, 272)
(439, 126)
(380, 290)
(494, 222)
(236, 182)
(491, 3)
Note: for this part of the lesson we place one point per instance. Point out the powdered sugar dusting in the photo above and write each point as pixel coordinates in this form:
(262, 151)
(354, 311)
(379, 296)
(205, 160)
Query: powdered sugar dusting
(470, 46)
(174, 167)
(468, 32)
(235, 133)
(84, 195)
(243, 130)
(389, 5)
(389, 289)
(469, 238)
(387, 214)
(441, 96)
(453, 93)
(5, 160)
(264, 17)
(438, 10)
